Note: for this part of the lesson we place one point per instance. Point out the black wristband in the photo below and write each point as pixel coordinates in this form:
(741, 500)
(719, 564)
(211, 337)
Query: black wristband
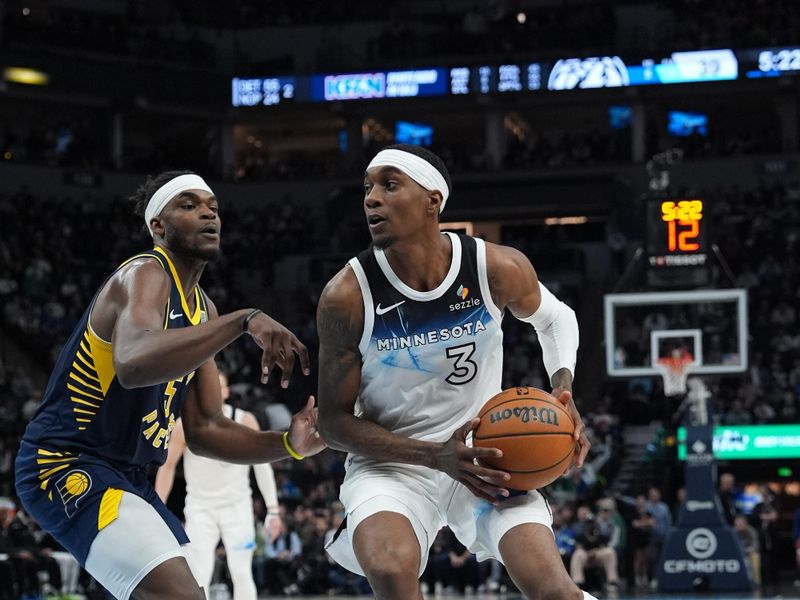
(248, 317)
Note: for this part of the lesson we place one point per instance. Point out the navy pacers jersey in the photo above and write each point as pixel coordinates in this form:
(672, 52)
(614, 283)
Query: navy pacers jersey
(86, 410)
(91, 439)
(430, 359)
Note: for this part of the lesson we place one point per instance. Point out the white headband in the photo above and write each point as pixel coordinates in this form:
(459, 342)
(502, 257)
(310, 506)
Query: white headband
(168, 191)
(419, 169)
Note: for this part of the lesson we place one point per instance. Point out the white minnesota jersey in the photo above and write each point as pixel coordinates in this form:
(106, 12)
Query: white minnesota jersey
(212, 482)
(430, 360)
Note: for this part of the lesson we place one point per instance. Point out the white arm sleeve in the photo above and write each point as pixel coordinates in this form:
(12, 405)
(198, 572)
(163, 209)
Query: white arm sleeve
(265, 479)
(557, 330)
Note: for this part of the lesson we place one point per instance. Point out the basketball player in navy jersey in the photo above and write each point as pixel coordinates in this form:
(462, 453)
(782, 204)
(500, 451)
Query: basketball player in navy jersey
(142, 355)
(410, 349)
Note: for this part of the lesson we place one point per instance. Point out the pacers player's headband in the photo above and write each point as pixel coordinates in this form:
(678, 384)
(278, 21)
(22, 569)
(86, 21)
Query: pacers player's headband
(419, 169)
(168, 191)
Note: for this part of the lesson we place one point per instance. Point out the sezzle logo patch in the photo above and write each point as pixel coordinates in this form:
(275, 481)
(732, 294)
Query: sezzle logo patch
(462, 292)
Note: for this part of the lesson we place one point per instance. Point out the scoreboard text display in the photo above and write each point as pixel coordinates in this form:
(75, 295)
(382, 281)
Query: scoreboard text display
(566, 73)
(677, 252)
(750, 442)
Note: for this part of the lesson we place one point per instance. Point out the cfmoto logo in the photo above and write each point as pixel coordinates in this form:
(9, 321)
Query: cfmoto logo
(701, 543)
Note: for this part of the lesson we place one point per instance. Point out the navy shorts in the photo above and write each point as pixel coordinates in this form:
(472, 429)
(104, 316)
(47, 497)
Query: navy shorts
(73, 496)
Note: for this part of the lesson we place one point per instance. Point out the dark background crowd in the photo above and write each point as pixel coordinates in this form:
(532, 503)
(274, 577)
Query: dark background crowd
(291, 214)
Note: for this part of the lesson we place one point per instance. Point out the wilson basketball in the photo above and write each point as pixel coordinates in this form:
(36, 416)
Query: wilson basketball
(534, 431)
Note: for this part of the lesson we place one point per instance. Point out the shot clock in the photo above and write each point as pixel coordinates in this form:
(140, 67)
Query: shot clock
(677, 249)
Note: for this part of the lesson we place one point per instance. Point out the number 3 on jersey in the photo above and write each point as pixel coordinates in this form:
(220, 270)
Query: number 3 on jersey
(464, 370)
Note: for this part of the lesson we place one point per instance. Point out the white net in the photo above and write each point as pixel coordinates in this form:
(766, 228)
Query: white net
(674, 372)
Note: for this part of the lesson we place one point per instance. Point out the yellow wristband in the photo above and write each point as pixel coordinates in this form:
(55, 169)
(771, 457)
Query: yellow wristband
(289, 448)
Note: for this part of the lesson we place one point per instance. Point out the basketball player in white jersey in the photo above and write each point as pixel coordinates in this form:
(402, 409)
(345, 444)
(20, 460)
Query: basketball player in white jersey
(410, 349)
(219, 504)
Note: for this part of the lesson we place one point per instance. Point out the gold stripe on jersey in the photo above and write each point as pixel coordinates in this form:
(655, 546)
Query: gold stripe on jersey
(85, 373)
(55, 461)
(133, 258)
(193, 318)
(87, 361)
(83, 402)
(73, 376)
(109, 508)
(49, 472)
(48, 461)
(166, 314)
(82, 392)
(102, 358)
(90, 377)
(43, 452)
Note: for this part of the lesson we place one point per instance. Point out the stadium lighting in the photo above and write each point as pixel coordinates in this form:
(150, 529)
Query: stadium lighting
(25, 76)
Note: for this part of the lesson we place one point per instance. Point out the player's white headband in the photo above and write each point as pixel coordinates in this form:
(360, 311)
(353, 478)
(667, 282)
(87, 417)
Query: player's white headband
(168, 191)
(419, 169)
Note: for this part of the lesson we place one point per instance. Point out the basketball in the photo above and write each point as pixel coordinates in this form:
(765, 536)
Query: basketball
(534, 431)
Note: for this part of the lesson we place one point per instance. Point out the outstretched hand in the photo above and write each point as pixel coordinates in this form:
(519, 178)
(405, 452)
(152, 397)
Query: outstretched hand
(582, 443)
(279, 347)
(303, 434)
(459, 461)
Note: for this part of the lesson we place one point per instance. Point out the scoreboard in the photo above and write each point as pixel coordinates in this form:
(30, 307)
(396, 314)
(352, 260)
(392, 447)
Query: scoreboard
(676, 242)
(568, 73)
(411, 83)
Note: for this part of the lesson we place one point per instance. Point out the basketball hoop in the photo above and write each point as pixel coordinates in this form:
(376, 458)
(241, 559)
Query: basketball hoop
(674, 372)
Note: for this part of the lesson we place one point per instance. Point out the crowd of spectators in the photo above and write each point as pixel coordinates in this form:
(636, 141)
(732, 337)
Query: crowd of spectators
(165, 32)
(146, 32)
(733, 23)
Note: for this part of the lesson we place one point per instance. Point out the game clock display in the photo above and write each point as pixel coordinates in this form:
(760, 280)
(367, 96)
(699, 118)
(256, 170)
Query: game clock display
(677, 251)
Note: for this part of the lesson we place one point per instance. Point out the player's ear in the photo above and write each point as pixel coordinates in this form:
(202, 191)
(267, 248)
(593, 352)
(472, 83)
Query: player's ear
(434, 201)
(157, 226)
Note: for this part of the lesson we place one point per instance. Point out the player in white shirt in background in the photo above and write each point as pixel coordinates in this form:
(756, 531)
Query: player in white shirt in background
(219, 505)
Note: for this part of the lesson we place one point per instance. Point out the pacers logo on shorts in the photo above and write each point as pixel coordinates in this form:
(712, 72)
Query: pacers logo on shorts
(72, 487)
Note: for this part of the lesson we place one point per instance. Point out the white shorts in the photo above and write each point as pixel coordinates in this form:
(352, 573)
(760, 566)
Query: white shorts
(429, 500)
(127, 549)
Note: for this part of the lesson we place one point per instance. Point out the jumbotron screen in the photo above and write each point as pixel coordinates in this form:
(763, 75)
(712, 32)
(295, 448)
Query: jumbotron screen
(568, 73)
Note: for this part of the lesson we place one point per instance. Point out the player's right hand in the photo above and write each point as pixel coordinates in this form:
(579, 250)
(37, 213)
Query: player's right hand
(279, 347)
(462, 463)
(303, 433)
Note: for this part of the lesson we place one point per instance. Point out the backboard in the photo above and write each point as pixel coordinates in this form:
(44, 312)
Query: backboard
(707, 327)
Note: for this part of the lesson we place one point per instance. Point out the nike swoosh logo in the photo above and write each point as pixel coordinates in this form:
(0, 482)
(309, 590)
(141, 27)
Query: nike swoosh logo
(172, 315)
(383, 311)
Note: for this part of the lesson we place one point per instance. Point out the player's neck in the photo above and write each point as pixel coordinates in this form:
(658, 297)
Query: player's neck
(421, 263)
(189, 271)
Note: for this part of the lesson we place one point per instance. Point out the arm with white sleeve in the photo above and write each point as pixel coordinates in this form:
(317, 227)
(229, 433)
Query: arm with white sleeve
(265, 476)
(557, 329)
(515, 286)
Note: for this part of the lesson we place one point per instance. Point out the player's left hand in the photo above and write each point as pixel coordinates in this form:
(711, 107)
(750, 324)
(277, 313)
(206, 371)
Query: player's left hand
(268, 523)
(582, 443)
(303, 434)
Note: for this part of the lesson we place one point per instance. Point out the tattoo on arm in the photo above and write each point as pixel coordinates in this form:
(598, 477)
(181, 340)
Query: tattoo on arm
(339, 338)
(330, 325)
